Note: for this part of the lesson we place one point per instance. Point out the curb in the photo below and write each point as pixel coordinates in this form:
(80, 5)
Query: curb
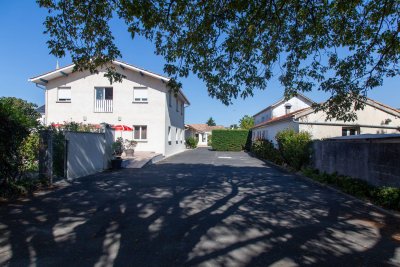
(367, 203)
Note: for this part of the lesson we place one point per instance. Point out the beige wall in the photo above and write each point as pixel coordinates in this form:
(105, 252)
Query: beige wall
(369, 116)
(271, 130)
(153, 114)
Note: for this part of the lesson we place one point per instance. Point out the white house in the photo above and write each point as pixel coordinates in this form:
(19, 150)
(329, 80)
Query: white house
(201, 132)
(297, 113)
(141, 101)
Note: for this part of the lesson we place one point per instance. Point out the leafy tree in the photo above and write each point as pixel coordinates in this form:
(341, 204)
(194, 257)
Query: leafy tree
(18, 118)
(211, 122)
(246, 122)
(342, 47)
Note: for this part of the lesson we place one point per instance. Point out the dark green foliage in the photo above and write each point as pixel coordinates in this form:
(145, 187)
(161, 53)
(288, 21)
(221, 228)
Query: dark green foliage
(211, 122)
(294, 147)
(388, 197)
(209, 140)
(344, 48)
(265, 149)
(18, 119)
(229, 140)
(191, 142)
(118, 147)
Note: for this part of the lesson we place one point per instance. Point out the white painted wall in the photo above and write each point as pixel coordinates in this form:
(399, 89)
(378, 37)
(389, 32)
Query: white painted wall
(269, 132)
(279, 110)
(86, 153)
(155, 114)
(174, 120)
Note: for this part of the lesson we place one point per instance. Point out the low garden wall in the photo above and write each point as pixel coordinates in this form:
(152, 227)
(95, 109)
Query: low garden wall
(376, 163)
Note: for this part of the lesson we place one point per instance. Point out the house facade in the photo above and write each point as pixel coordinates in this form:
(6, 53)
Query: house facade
(201, 132)
(297, 114)
(141, 101)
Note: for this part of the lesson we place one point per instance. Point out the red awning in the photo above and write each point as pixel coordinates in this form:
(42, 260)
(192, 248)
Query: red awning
(122, 128)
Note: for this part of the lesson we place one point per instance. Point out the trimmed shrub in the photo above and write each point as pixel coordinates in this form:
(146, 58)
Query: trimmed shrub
(265, 149)
(229, 140)
(388, 197)
(294, 147)
(209, 140)
(191, 142)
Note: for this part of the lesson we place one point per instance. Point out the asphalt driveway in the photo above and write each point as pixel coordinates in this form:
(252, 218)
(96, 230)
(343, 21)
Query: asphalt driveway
(198, 208)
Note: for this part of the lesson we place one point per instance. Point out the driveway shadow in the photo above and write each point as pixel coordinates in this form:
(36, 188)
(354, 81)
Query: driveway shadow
(195, 214)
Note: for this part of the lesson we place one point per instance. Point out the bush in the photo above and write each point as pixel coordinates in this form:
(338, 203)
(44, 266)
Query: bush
(294, 147)
(388, 197)
(229, 140)
(29, 152)
(209, 140)
(265, 149)
(18, 118)
(191, 142)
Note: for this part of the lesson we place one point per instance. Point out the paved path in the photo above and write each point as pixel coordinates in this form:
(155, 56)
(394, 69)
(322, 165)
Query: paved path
(199, 208)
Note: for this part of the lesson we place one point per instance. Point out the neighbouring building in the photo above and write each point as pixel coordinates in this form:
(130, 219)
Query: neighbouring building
(297, 113)
(42, 111)
(141, 101)
(201, 132)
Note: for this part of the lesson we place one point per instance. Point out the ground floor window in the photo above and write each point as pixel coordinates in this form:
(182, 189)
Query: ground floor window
(140, 132)
(350, 131)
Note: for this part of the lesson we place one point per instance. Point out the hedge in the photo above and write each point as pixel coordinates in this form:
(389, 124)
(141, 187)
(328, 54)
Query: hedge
(230, 140)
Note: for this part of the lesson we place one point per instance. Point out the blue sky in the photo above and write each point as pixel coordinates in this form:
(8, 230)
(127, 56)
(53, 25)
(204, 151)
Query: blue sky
(25, 54)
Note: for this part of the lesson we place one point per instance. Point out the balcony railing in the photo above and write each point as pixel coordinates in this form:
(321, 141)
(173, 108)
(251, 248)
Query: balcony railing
(105, 105)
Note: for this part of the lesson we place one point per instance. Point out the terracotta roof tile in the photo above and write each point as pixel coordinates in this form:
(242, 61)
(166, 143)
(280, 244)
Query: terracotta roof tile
(281, 118)
(204, 127)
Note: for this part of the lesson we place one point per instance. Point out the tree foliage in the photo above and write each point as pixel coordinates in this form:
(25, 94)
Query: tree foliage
(211, 122)
(18, 118)
(342, 47)
(247, 122)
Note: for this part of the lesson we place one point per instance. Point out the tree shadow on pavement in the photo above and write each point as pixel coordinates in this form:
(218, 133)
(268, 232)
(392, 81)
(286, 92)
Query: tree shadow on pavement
(195, 214)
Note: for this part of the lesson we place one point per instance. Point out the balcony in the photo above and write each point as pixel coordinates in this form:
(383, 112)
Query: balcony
(103, 105)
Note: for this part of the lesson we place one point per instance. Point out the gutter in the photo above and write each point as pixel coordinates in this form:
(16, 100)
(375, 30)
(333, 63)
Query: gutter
(344, 124)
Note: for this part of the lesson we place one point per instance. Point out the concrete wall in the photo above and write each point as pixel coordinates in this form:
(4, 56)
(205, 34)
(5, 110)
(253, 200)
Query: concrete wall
(125, 111)
(87, 153)
(376, 163)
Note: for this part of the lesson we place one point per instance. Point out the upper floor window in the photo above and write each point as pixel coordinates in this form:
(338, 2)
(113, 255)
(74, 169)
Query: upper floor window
(140, 94)
(103, 99)
(350, 131)
(169, 99)
(64, 94)
(177, 103)
(169, 135)
(182, 106)
(140, 132)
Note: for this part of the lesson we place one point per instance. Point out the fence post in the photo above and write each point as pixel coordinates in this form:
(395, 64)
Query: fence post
(46, 155)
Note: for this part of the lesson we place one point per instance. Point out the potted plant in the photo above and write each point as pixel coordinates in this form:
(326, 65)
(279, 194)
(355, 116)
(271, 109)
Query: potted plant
(129, 147)
(118, 148)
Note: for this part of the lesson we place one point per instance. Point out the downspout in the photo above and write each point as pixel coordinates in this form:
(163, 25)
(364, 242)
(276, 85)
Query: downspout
(344, 124)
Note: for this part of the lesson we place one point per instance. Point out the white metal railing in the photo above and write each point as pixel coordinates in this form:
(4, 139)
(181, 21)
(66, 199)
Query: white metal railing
(105, 105)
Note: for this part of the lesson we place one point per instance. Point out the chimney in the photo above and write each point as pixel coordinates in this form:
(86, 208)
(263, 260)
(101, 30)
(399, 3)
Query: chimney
(288, 106)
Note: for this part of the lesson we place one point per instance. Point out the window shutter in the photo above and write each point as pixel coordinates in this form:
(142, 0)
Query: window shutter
(64, 94)
(140, 94)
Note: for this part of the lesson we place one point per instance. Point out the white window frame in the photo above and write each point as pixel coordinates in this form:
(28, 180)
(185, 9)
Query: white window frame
(140, 100)
(176, 136)
(140, 132)
(64, 100)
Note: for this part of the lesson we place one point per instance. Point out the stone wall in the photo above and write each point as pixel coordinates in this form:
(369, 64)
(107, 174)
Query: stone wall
(376, 163)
